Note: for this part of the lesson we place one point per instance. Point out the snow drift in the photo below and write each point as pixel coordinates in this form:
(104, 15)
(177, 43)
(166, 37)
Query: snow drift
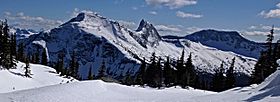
(99, 91)
(14, 79)
(267, 91)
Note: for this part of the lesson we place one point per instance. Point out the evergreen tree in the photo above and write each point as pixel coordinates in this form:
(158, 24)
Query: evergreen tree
(7, 55)
(230, 78)
(167, 73)
(221, 78)
(218, 79)
(37, 56)
(182, 56)
(271, 54)
(269, 41)
(127, 79)
(191, 79)
(158, 74)
(60, 64)
(259, 69)
(90, 75)
(275, 56)
(6, 45)
(76, 74)
(27, 69)
(44, 59)
(20, 52)
(181, 70)
(66, 72)
(140, 75)
(266, 63)
(1, 44)
(203, 82)
(33, 58)
(101, 71)
(74, 66)
(13, 51)
(150, 72)
(14, 45)
(277, 50)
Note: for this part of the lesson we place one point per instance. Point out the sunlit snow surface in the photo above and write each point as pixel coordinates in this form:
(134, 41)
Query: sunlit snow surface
(99, 91)
(14, 79)
(267, 91)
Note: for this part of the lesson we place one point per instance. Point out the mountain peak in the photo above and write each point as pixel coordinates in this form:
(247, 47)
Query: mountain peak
(143, 23)
(221, 33)
(86, 16)
(148, 33)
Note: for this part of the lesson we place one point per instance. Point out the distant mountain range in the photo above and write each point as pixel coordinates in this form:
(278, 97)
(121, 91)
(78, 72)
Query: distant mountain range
(226, 41)
(22, 33)
(95, 39)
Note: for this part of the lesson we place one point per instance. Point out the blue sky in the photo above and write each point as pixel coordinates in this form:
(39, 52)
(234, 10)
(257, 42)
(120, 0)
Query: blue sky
(252, 18)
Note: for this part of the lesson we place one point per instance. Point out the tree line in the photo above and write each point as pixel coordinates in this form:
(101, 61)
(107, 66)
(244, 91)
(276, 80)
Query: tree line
(159, 73)
(184, 74)
(7, 47)
(266, 63)
(9, 55)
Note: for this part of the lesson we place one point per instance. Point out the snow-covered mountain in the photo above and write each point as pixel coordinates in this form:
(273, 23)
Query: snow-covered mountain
(22, 33)
(41, 76)
(226, 41)
(95, 39)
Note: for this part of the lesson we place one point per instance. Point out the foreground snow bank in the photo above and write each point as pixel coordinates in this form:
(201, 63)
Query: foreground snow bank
(14, 79)
(99, 91)
(267, 91)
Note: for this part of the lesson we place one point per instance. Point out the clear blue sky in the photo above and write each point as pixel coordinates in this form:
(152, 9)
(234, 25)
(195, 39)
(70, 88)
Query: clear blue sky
(252, 18)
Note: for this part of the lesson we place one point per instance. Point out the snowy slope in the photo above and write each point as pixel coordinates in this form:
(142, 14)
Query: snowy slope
(14, 80)
(96, 38)
(227, 41)
(267, 91)
(99, 91)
